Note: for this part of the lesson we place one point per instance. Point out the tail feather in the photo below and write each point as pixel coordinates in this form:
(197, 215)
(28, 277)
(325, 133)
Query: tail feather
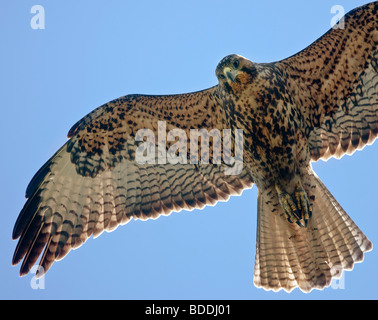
(288, 256)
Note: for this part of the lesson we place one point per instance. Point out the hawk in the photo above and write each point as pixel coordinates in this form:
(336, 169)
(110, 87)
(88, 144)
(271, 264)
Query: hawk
(317, 104)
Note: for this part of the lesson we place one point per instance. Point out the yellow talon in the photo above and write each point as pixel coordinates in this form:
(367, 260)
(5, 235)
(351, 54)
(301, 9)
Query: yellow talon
(296, 208)
(290, 208)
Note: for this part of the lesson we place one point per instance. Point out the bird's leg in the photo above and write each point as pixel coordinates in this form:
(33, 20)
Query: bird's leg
(297, 208)
(290, 208)
(303, 203)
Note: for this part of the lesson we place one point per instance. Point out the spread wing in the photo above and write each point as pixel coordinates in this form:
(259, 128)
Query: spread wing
(94, 183)
(335, 80)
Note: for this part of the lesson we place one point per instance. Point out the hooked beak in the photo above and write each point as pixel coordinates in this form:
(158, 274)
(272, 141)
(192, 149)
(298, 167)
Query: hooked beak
(230, 74)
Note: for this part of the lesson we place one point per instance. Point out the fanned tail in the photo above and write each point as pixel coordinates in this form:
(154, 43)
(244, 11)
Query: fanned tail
(288, 256)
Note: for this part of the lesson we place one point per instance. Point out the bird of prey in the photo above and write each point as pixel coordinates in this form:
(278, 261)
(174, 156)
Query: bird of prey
(319, 103)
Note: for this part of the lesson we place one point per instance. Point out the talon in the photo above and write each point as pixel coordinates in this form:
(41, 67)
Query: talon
(297, 209)
(301, 225)
(303, 203)
(291, 211)
(308, 215)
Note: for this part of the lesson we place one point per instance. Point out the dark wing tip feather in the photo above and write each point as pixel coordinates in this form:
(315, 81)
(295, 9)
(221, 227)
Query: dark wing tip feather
(33, 196)
(37, 179)
(25, 216)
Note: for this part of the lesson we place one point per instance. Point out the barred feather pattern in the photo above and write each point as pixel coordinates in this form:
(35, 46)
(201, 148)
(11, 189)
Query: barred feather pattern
(319, 103)
(288, 256)
(354, 125)
(77, 207)
(335, 81)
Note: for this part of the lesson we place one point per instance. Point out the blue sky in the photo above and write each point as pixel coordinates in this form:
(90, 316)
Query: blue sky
(91, 52)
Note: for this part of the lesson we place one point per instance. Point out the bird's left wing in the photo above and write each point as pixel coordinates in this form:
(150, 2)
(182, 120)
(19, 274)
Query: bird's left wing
(335, 81)
(94, 183)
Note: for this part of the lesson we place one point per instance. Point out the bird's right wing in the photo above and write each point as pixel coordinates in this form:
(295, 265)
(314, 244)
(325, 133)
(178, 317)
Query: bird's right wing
(95, 181)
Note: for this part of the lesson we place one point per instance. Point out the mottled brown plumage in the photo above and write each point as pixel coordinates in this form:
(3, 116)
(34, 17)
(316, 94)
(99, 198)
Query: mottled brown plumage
(319, 103)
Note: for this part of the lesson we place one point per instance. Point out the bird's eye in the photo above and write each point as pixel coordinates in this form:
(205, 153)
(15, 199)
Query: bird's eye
(221, 76)
(236, 64)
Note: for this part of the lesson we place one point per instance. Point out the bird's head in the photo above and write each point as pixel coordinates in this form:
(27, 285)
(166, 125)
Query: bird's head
(235, 72)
